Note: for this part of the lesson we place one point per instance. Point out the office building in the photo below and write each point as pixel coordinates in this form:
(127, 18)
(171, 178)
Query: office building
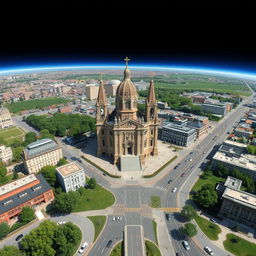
(41, 153)
(214, 109)
(71, 176)
(91, 91)
(111, 87)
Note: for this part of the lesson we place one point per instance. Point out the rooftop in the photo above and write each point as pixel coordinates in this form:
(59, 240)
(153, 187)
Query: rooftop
(179, 128)
(240, 197)
(69, 168)
(17, 184)
(233, 183)
(245, 161)
(40, 147)
(24, 196)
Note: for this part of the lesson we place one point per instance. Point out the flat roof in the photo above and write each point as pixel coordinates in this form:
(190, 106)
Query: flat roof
(245, 161)
(240, 197)
(69, 168)
(185, 129)
(232, 182)
(17, 184)
(25, 195)
(234, 143)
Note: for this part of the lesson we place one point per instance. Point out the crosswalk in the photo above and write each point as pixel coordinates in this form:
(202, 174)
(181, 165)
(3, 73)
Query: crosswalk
(170, 209)
(162, 188)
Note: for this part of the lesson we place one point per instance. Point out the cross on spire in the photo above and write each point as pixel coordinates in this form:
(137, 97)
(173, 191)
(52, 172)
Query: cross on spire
(126, 60)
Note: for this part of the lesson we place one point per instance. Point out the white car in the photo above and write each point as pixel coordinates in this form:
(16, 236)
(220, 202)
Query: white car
(114, 218)
(185, 244)
(208, 250)
(174, 190)
(61, 222)
(83, 247)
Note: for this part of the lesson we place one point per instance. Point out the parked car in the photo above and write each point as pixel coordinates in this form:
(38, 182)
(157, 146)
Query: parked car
(204, 152)
(109, 243)
(19, 237)
(208, 250)
(185, 244)
(213, 220)
(61, 222)
(169, 181)
(83, 247)
(168, 216)
(182, 175)
(174, 190)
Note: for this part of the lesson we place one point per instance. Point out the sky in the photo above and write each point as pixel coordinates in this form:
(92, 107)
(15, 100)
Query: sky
(218, 36)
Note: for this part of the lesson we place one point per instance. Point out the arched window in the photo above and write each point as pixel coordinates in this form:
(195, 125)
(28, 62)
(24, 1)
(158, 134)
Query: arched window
(103, 143)
(152, 112)
(127, 104)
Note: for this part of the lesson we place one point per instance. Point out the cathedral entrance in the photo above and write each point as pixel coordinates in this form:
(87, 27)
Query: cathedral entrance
(129, 148)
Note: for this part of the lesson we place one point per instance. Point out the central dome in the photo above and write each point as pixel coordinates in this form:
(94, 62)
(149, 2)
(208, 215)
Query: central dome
(126, 88)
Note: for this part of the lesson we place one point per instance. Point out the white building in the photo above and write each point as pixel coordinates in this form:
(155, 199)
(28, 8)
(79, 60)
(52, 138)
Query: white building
(5, 154)
(5, 118)
(71, 176)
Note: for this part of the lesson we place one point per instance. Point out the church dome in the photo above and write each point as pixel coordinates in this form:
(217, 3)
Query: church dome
(126, 88)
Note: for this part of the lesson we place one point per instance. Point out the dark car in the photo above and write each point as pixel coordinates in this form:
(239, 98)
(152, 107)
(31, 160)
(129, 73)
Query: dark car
(79, 160)
(168, 216)
(169, 181)
(178, 254)
(109, 243)
(19, 237)
(182, 175)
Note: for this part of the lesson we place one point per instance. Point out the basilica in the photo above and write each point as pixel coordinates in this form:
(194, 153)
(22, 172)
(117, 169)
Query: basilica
(126, 131)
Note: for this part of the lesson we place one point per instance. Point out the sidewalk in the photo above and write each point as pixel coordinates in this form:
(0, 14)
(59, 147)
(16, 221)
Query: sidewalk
(163, 237)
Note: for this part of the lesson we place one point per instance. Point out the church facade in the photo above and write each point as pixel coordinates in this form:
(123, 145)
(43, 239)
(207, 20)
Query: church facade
(126, 131)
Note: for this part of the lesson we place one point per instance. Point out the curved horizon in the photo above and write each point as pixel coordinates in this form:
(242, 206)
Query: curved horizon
(193, 69)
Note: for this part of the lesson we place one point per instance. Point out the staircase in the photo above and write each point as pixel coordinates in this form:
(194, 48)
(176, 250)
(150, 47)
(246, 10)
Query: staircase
(130, 163)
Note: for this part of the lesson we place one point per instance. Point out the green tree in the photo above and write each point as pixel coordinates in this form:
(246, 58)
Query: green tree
(62, 161)
(66, 202)
(15, 143)
(206, 196)
(15, 175)
(11, 251)
(27, 214)
(189, 230)
(30, 137)
(188, 212)
(49, 173)
(3, 171)
(92, 183)
(17, 152)
(45, 134)
(4, 229)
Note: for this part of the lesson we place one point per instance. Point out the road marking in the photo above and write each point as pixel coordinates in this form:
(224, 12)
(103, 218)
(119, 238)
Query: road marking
(170, 209)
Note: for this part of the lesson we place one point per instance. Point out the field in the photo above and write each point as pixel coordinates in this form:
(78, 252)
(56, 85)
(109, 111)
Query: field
(34, 104)
(239, 246)
(118, 250)
(11, 133)
(152, 249)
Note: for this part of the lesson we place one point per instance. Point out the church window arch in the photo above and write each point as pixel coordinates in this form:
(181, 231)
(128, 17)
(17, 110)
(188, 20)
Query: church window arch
(103, 143)
(127, 104)
(152, 112)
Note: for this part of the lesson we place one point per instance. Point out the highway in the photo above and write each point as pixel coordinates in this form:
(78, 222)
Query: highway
(132, 200)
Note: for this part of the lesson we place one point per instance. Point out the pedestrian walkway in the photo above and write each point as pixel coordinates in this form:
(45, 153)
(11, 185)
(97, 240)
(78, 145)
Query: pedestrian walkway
(163, 237)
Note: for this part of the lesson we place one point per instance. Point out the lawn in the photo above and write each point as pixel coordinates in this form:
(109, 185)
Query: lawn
(118, 250)
(155, 230)
(210, 229)
(155, 201)
(98, 222)
(95, 199)
(11, 132)
(152, 249)
(34, 104)
(239, 246)
(213, 180)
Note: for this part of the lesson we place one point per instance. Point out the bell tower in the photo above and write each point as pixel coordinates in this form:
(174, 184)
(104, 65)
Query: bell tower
(101, 105)
(151, 104)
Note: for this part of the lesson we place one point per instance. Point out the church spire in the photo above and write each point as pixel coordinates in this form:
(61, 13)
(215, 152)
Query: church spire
(101, 100)
(151, 93)
(127, 74)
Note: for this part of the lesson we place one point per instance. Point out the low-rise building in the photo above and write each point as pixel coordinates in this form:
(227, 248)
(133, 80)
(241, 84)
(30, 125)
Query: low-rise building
(5, 154)
(214, 109)
(245, 163)
(162, 105)
(30, 190)
(5, 118)
(200, 128)
(65, 109)
(178, 135)
(41, 153)
(238, 205)
(71, 176)
(243, 132)
(141, 85)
